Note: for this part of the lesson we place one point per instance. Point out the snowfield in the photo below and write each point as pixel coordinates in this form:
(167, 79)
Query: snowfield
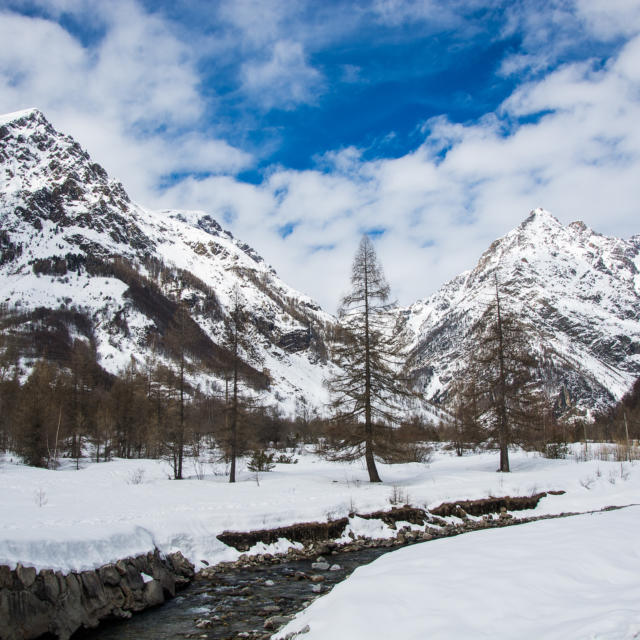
(559, 579)
(75, 520)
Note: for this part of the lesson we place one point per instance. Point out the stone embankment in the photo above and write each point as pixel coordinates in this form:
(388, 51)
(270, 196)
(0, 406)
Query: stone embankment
(35, 603)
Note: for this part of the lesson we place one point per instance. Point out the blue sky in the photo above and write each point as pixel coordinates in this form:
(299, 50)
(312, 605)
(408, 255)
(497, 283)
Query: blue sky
(301, 125)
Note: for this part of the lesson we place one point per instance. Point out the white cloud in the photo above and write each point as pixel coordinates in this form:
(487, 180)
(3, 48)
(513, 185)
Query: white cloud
(283, 81)
(132, 98)
(611, 19)
(443, 204)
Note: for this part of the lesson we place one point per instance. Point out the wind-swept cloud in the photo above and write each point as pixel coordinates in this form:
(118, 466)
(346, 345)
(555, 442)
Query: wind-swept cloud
(132, 96)
(283, 81)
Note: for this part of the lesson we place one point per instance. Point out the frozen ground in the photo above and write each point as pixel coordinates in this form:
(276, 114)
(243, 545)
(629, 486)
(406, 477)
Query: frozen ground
(555, 579)
(72, 520)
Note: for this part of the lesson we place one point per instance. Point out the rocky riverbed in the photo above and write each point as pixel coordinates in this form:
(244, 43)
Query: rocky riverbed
(257, 594)
(251, 597)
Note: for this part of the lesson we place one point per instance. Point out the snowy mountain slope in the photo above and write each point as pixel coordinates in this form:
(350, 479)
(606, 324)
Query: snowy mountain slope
(72, 242)
(579, 291)
(80, 260)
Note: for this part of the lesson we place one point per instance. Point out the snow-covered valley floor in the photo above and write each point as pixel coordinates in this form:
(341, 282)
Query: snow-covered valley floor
(575, 577)
(75, 520)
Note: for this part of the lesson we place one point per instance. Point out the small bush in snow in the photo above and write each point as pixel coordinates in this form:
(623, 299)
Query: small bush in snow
(587, 482)
(40, 497)
(399, 495)
(261, 461)
(556, 450)
(283, 458)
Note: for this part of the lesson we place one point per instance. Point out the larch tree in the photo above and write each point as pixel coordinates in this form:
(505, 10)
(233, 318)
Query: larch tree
(366, 394)
(239, 345)
(501, 372)
(180, 339)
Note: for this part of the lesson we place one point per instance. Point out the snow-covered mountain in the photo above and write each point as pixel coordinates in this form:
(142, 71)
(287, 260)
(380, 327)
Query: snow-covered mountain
(578, 291)
(98, 267)
(80, 261)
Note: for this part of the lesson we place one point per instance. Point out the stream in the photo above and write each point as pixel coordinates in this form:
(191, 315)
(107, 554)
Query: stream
(236, 603)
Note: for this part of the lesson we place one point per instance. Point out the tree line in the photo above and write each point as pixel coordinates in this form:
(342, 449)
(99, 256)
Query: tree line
(68, 405)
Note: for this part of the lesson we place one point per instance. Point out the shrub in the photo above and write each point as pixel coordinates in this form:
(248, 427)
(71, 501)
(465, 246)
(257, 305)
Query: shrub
(261, 461)
(556, 450)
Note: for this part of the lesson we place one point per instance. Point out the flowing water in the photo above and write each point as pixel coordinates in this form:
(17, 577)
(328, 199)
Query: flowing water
(236, 603)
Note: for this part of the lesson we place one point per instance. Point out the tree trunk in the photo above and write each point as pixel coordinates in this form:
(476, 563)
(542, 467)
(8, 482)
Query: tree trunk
(502, 407)
(234, 408)
(369, 444)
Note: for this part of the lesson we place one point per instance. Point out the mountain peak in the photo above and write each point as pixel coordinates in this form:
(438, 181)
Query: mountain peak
(540, 217)
(26, 115)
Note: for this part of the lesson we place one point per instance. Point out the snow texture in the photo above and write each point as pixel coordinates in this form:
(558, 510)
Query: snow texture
(558, 579)
(55, 203)
(577, 290)
(75, 520)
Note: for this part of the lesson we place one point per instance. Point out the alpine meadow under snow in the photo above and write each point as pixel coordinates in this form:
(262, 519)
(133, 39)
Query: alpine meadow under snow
(571, 578)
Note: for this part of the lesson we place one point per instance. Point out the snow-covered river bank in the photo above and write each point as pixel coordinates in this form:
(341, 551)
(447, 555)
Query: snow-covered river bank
(70, 520)
(75, 520)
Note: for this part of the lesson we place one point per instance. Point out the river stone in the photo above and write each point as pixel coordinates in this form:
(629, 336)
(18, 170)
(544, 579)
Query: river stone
(320, 566)
(335, 567)
(110, 575)
(153, 593)
(275, 622)
(121, 566)
(26, 575)
(295, 634)
(134, 578)
(115, 596)
(269, 583)
(271, 608)
(73, 586)
(316, 578)
(50, 585)
(317, 588)
(91, 584)
(28, 616)
(203, 623)
(6, 578)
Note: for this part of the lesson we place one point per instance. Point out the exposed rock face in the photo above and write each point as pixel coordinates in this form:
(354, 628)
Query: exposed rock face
(579, 294)
(72, 239)
(32, 603)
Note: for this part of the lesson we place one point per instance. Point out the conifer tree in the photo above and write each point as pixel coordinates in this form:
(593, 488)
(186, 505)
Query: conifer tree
(366, 394)
(501, 372)
(239, 344)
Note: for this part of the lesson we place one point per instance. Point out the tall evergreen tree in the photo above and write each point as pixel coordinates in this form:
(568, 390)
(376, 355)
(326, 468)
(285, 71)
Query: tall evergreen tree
(501, 372)
(366, 393)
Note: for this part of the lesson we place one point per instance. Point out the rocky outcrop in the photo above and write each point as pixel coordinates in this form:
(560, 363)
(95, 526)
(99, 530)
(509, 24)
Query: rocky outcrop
(484, 506)
(301, 532)
(35, 603)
